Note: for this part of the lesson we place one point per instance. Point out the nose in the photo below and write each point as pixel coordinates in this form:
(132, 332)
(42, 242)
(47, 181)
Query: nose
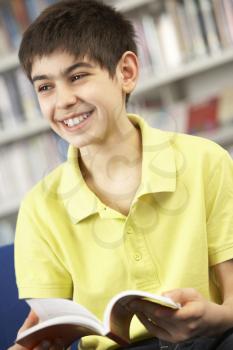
(65, 97)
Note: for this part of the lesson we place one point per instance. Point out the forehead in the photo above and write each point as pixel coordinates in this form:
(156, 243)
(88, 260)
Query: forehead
(57, 62)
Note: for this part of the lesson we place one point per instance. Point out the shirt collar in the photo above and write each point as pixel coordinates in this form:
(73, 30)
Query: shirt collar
(158, 173)
(79, 201)
(158, 159)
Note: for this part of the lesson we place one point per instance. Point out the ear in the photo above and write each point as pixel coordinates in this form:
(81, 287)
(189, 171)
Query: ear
(128, 69)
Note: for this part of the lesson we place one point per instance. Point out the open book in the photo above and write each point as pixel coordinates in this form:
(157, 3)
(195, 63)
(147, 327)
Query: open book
(61, 318)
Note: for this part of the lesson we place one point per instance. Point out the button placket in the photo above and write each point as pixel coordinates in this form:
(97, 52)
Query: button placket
(137, 256)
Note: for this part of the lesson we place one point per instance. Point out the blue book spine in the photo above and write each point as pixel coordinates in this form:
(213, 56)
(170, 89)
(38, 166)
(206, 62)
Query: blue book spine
(32, 9)
(11, 25)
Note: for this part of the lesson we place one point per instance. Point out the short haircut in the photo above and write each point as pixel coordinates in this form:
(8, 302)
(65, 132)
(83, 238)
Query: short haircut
(80, 28)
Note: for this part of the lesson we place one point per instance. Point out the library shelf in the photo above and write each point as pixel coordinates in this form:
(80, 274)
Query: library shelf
(157, 80)
(23, 131)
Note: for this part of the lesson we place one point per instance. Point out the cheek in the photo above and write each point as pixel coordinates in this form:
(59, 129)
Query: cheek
(46, 108)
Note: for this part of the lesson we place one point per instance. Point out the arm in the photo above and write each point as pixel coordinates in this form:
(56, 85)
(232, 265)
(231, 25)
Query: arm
(30, 321)
(197, 317)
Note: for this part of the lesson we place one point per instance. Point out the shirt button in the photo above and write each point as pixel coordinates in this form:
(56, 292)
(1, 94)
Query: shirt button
(137, 257)
(129, 230)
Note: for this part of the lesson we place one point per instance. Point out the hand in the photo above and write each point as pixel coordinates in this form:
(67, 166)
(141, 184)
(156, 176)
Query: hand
(197, 316)
(30, 321)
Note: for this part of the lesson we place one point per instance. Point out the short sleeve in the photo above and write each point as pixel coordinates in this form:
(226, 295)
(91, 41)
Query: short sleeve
(40, 272)
(220, 211)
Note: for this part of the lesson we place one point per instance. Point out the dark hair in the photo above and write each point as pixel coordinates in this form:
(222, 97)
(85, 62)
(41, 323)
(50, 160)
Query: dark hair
(81, 28)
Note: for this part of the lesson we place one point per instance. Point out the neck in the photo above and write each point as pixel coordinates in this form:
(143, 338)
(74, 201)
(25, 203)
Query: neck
(115, 156)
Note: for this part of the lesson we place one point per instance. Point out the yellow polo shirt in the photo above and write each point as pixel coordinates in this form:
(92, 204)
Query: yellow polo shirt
(71, 245)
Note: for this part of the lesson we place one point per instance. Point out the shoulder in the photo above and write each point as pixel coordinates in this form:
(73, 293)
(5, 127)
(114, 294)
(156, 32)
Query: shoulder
(199, 159)
(197, 150)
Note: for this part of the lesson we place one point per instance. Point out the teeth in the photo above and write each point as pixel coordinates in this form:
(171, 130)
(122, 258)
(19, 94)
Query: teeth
(77, 120)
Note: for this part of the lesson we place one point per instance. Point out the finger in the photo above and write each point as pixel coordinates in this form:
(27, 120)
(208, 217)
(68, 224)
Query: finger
(31, 320)
(17, 347)
(153, 328)
(183, 295)
(151, 308)
(58, 345)
(45, 345)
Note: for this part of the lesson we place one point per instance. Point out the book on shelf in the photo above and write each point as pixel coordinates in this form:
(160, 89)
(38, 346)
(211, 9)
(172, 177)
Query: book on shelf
(20, 14)
(15, 16)
(225, 108)
(31, 159)
(14, 96)
(11, 24)
(187, 28)
(28, 97)
(152, 40)
(18, 100)
(145, 59)
(194, 24)
(228, 7)
(209, 25)
(168, 39)
(174, 9)
(222, 25)
(193, 117)
(73, 321)
(5, 45)
(6, 106)
(203, 116)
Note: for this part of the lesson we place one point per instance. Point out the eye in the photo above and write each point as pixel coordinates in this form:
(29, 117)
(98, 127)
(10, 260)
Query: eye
(79, 76)
(44, 88)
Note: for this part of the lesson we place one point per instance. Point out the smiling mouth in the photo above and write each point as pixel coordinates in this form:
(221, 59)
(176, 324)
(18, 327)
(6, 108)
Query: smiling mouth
(71, 122)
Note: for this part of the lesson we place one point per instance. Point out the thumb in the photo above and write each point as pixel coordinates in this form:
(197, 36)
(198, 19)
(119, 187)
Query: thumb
(183, 295)
(31, 320)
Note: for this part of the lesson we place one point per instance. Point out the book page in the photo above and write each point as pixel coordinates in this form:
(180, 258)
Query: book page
(68, 328)
(55, 307)
(117, 318)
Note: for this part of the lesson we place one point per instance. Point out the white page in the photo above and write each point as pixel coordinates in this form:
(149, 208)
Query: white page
(127, 296)
(55, 307)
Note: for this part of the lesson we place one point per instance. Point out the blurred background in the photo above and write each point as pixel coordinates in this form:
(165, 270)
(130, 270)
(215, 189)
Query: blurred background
(186, 85)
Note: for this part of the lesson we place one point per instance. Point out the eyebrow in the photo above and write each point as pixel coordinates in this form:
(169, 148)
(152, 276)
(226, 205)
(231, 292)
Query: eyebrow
(65, 72)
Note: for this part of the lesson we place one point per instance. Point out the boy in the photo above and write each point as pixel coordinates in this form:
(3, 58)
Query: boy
(133, 207)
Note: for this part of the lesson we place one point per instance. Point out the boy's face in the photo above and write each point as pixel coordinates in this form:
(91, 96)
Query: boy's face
(79, 99)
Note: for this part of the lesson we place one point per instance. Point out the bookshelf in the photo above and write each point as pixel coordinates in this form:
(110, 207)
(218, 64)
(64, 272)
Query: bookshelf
(24, 131)
(185, 71)
(169, 83)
